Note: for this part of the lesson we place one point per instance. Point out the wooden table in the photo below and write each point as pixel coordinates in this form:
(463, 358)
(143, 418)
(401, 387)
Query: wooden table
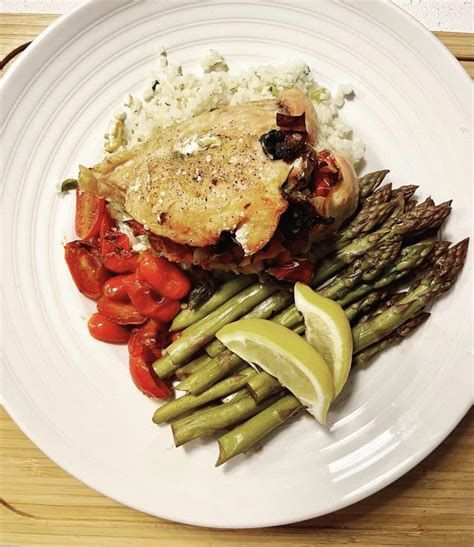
(43, 505)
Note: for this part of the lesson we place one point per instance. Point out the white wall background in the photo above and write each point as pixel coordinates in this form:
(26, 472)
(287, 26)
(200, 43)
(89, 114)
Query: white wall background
(449, 15)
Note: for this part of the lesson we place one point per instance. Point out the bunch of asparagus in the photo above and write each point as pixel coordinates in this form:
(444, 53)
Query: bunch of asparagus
(391, 239)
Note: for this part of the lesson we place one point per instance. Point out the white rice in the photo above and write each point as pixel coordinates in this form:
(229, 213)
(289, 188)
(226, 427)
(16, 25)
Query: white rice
(172, 96)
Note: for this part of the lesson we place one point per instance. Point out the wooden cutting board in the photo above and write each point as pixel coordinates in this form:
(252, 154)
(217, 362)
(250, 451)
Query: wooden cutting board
(43, 505)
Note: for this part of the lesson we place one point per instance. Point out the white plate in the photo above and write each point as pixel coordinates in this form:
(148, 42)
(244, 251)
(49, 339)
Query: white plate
(73, 397)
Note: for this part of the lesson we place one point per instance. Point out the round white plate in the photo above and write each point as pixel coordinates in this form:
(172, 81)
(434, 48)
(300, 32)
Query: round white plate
(73, 396)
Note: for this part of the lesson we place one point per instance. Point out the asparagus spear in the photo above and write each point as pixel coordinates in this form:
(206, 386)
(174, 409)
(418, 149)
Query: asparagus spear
(192, 366)
(226, 361)
(369, 182)
(409, 224)
(406, 191)
(397, 211)
(217, 418)
(234, 397)
(439, 251)
(199, 334)
(261, 384)
(363, 223)
(410, 258)
(436, 281)
(365, 303)
(221, 295)
(381, 195)
(300, 329)
(410, 205)
(175, 408)
(364, 356)
(247, 434)
(366, 268)
(390, 301)
(264, 310)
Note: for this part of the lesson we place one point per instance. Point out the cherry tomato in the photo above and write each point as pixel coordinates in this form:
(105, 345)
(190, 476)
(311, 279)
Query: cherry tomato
(141, 351)
(166, 278)
(115, 288)
(105, 330)
(86, 268)
(146, 380)
(107, 224)
(89, 211)
(153, 335)
(117, 255)
(148, 303)
(122, 313)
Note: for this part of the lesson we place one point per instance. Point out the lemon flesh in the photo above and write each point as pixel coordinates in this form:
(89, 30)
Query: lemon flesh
(328, 330)
(285, 355)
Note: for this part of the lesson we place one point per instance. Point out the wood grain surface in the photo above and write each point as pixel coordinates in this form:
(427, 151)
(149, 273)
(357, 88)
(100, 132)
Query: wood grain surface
(43, 505)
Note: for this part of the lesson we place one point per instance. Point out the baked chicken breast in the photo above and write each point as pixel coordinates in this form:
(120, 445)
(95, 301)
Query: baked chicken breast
(239, 188)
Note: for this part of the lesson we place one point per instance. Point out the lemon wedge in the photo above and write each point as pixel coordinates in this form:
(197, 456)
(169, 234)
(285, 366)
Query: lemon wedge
(285, 355)
(328, 330)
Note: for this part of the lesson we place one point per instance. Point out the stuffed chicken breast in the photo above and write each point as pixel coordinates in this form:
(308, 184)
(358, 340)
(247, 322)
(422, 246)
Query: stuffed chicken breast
(238, 188)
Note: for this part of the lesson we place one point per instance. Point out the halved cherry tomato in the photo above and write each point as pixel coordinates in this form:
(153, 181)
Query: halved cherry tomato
(141, 359)
(107, 224)
(115, 288)
(122, 313)
(116, 254)
(148, 303)
(113, 241)
(89, 210)
(153, 335)
(105, 330)
(146, 380)
(166, 278)
(86, 268)
(121, 261)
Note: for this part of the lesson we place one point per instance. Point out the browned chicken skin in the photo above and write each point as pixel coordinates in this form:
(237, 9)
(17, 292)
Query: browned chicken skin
(220, 173)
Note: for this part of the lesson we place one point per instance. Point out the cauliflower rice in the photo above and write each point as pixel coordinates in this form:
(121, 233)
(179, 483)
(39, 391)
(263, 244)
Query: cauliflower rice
(172, 96)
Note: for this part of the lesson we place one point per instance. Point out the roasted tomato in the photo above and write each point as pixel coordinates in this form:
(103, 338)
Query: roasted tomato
(122, 313)
(117, 255)
(143, 351)
(105, 330)
(115, 288)
(166, 278)
(86, 268)
(149, 303)
(89, 212)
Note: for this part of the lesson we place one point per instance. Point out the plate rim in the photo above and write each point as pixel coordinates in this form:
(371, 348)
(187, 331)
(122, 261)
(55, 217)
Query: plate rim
(61, 24)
